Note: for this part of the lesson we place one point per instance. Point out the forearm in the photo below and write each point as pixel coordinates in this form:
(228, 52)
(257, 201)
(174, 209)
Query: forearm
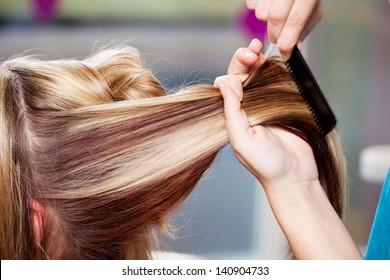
(311, 225)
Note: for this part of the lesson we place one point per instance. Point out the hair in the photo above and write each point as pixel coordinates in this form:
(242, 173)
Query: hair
(110, 155)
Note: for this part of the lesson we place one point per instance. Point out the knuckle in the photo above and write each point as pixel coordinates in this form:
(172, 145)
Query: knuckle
(276, 18)
(240, 52)
(261, 15)
(219, 80)
(251, 4)
(284, 47)
(228, 80)
(236, 60)
(296, 21)
(233, 80)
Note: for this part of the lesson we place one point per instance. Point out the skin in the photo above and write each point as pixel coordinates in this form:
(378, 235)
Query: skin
(288, 21)
(285, 166)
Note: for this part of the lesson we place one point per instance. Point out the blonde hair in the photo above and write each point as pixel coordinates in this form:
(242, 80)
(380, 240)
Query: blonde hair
(109, 154)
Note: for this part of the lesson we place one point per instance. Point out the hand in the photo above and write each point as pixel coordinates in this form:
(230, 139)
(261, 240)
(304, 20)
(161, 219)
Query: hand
(288, 21)
(285, 166)
(276, 157)
(243, 62)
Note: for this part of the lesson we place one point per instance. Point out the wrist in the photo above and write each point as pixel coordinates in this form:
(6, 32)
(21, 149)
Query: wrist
(298, 199)
(309, 222)
(302, 191)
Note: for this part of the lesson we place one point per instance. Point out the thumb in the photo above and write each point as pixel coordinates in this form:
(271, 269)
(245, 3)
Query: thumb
(236, 120)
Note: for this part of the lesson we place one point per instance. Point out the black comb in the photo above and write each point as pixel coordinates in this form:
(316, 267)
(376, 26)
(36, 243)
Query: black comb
(311, 92)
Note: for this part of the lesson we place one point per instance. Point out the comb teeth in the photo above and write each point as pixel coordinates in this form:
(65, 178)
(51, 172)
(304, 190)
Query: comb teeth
(307, 103)
(311, 92)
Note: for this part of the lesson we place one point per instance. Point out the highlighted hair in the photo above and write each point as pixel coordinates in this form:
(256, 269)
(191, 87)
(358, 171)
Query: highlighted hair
(110, 155)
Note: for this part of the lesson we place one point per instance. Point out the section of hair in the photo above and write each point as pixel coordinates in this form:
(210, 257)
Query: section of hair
(110, 155)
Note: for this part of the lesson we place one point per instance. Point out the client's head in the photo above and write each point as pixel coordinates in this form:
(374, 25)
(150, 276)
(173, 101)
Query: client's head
(95, 155)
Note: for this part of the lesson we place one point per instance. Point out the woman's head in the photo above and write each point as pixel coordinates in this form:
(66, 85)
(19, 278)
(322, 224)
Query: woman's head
(95, 155)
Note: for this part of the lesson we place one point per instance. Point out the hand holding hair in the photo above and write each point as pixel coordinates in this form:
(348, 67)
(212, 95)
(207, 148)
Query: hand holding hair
(289, 21)
(285, 165)
(96, 155)
(275, 156)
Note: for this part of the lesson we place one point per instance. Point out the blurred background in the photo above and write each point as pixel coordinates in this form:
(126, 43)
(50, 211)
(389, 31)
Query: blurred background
(185, 42)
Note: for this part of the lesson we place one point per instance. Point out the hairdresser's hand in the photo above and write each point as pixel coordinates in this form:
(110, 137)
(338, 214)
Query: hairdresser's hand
(243, 61)
(285, 166)
(288, 21)
(276, 157)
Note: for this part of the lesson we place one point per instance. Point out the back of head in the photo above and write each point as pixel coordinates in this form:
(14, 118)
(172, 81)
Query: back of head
(109, 155)
(41, 104)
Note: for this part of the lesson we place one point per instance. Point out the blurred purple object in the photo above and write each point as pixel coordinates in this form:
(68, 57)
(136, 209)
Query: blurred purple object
(45, 10)
(251, 26)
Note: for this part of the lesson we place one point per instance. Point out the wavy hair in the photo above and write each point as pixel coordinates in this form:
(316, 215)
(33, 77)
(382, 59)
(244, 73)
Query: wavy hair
(110, 155)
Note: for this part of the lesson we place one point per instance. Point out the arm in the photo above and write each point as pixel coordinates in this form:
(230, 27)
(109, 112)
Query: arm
(286, 168)
(311, 225)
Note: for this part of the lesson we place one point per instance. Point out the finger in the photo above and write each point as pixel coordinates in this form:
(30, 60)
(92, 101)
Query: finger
(232, 81)
(255, 46)
(244, 58)
(236, 120)
(312, 21)
(277, 16)
(241, 62)
(296, 21)
(262, 8)
(251, 4)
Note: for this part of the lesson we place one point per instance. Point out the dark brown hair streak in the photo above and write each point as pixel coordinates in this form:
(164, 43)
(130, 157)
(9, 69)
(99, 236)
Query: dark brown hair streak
(110, 155)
